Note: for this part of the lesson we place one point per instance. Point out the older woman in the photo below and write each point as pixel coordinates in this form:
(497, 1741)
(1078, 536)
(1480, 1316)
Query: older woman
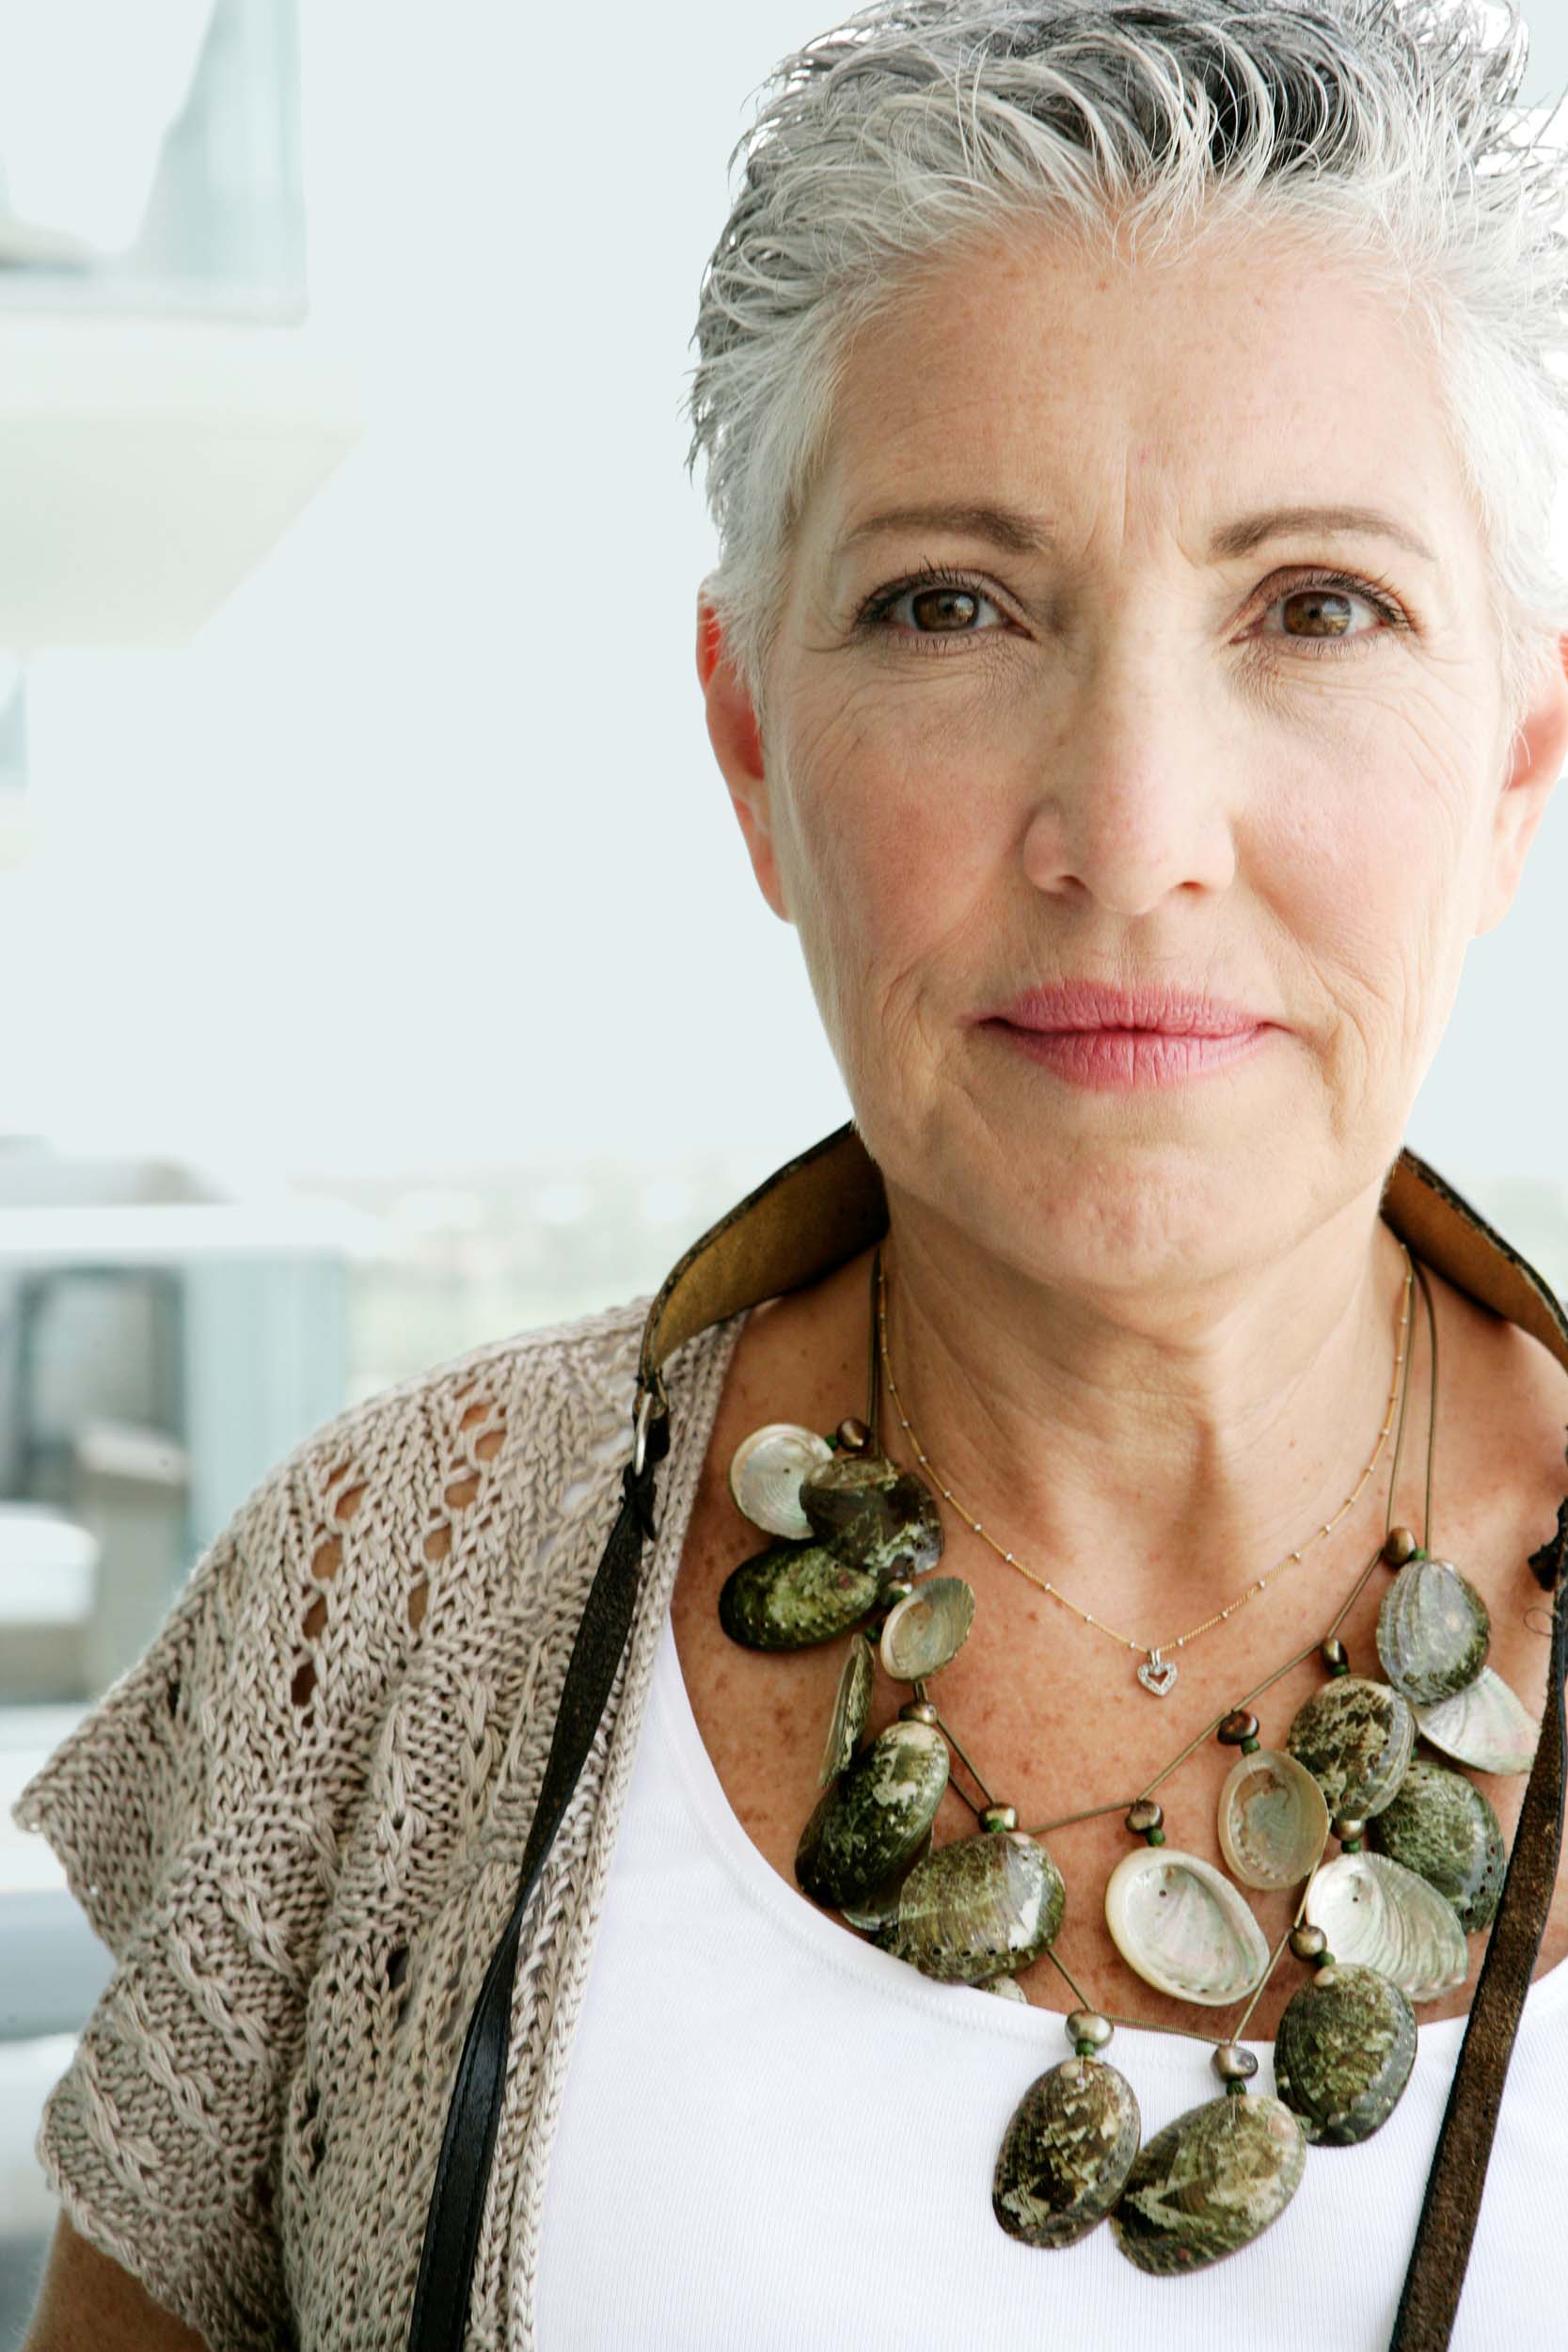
(1135, 663)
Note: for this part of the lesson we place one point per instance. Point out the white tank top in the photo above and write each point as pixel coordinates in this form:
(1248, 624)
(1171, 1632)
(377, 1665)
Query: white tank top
(774, 2135)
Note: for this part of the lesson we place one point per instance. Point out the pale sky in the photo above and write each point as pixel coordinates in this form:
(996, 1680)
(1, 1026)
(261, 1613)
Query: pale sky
(362, 877)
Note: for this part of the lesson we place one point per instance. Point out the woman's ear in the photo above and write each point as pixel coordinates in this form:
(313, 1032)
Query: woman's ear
(1539, 748)
(733, 731)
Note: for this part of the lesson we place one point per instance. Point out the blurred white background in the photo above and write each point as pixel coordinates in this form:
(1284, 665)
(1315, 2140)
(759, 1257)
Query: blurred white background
(361, 879)
(408, 888)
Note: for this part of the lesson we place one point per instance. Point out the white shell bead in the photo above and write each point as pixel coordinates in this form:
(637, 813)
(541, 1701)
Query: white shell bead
(1273, 1819)
(1378, 1914)
(766, 1474)
(1182, 1926)
(1485, 1725)
(925, 1630)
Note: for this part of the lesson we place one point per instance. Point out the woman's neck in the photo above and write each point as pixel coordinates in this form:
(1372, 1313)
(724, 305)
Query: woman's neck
(1141, 1442)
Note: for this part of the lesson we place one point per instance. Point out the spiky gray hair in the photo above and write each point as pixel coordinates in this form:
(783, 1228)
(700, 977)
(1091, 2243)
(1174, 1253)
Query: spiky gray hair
(1386, 131)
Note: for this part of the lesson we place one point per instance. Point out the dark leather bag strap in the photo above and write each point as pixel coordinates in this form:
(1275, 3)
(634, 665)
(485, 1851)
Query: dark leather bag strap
(1424, 2321)
(462, 2174)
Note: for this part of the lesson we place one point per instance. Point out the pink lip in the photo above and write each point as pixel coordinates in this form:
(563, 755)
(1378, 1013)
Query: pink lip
(1114, 1061)
(1080, 1004)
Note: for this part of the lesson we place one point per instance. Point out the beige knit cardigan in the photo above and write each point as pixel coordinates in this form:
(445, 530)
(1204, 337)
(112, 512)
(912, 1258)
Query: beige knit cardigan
(296, 1822)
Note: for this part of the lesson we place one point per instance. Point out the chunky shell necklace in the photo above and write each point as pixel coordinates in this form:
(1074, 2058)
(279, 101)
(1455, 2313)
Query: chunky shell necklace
(1382, 1926)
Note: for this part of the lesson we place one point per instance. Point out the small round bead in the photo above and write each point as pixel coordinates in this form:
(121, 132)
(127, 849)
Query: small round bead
(1334, 1655)
(996, 1815)
(1233, 2062)
(1242, 1724)
(1345, 1825)
(892, 1588)
(1398, 1545)
(853, 1436)
(1307, 1942)
(1088, 2025)
(1327, 1974)
(917, 1711)
(1144, 1816)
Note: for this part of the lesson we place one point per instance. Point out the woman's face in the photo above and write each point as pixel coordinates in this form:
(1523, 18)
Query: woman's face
(1110, 746)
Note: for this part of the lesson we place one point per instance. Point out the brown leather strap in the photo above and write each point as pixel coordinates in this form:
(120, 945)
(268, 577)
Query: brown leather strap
(1452, 2202)
(810, 1215)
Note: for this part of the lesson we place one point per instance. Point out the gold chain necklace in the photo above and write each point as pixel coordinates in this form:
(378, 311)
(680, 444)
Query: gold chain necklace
(1157, 1672)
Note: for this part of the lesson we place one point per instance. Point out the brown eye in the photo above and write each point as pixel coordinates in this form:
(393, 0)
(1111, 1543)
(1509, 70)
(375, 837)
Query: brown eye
(934, 606)
(1323, 611)
(944, 608)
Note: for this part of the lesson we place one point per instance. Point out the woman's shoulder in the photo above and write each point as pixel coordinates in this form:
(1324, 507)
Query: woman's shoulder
(442, 1492)
(581, 1362)
(543, 1399)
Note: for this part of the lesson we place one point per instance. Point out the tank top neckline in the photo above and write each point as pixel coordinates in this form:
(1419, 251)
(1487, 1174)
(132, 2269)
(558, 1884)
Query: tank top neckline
(959, 2006)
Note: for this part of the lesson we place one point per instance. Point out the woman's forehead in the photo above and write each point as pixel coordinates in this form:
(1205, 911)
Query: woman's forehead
(1030, 377)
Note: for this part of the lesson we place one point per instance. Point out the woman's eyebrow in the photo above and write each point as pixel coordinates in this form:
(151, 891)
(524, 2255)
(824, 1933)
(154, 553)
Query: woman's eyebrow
(1250, 530)
(1019, 533)
(1005, 526)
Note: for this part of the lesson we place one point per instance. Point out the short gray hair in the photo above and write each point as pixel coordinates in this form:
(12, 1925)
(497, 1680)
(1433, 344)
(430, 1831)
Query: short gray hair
(1390, 127)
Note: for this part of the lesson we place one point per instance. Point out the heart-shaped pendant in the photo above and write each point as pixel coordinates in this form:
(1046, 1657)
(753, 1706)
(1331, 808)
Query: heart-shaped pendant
(1157, 1674)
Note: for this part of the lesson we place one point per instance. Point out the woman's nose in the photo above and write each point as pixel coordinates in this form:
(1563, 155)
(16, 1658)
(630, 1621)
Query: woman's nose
(1134, 805)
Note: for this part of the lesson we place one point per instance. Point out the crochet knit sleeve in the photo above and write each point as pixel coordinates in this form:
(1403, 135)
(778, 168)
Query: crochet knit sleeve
(194, 1813)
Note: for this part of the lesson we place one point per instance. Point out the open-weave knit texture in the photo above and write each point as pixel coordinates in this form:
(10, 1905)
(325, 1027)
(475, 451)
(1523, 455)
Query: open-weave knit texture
(297, 1821)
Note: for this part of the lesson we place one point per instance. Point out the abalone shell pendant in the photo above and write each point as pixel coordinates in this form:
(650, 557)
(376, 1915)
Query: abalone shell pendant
(879, 1909)
(793, 1595)
(1432, 1631)
(925, 1630)
(1443, 1827)
(872, 1513)
(1378, 1914)
(869, 1823)
(766, 1471)
(1209, 2183)
(978, 1907)
(1485, 1725)
(851, 1706)
(1356, 1738)
(1182, 1926)
(1273, 1820)
(1066, 2153)
(1343, 2053)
